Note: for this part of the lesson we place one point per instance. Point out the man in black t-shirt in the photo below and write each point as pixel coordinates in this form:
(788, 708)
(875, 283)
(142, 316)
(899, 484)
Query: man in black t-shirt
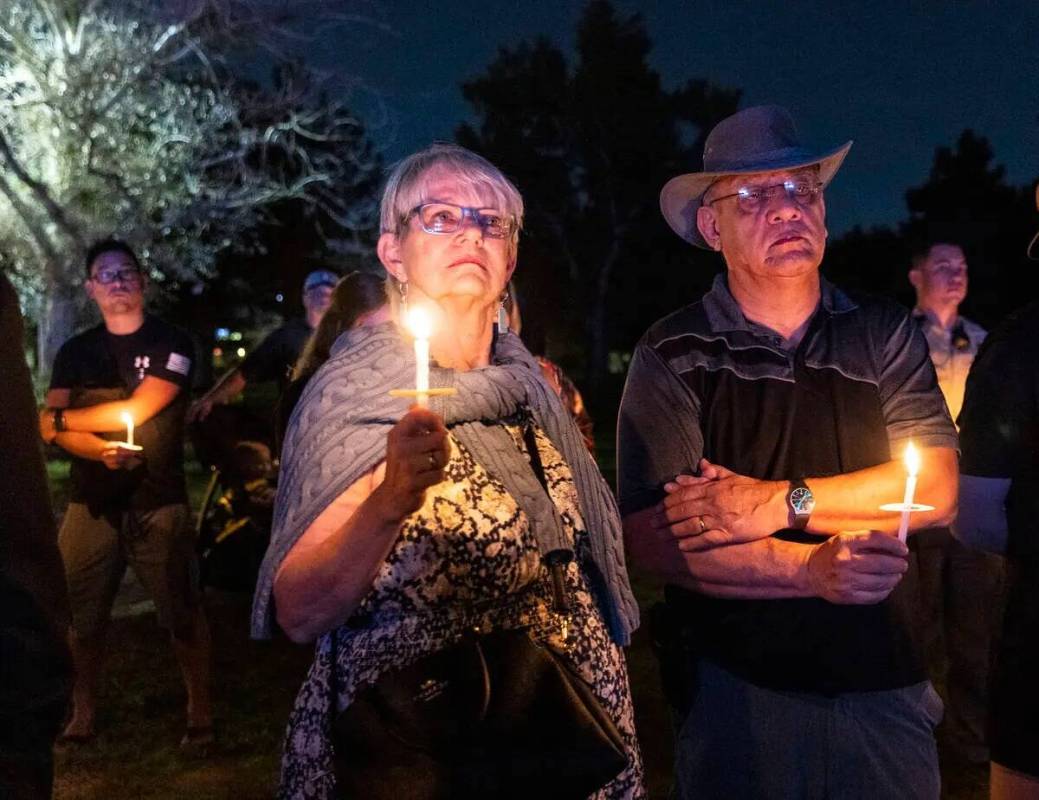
(274, 358)
(760, 431)
(129, 500)
(999, 512)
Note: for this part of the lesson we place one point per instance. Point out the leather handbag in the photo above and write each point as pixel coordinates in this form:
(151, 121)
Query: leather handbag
(493, 716)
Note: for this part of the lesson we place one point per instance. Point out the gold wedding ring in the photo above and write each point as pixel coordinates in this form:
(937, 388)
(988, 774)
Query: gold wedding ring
(703, 525)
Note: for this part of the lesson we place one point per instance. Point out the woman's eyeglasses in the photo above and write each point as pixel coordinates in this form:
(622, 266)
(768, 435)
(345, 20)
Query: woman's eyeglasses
(440, 218)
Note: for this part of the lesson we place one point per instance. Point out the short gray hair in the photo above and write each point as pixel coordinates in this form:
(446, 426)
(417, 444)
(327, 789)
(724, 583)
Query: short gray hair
(403, 189)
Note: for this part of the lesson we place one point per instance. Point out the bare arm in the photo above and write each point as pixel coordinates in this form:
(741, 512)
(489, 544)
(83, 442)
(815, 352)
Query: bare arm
(854, 567)
(735, 508)
(148, 399)
(88, 445)
(223, 392)
(330, 569)
(982, 521)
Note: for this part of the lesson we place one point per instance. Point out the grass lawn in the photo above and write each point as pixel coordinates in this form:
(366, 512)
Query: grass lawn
(141, 718)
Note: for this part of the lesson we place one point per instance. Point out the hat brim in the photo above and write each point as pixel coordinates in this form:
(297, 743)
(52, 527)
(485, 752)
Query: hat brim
(682, 195)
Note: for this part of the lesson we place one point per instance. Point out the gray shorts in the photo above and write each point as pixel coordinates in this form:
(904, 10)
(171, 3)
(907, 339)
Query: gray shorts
(158, 544)
(742, 741)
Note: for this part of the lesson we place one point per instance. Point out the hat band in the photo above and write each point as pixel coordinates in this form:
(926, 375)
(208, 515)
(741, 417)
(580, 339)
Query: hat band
(764, 162)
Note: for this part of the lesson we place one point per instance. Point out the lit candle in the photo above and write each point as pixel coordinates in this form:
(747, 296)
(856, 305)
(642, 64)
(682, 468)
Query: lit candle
(129, 427)
(912, 459)
(421, 327)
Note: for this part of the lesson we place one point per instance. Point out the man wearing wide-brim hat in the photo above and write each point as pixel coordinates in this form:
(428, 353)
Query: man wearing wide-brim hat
(999, 512)
(761, 429)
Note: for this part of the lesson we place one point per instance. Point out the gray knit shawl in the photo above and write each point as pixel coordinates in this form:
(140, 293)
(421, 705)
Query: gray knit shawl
(337, 433)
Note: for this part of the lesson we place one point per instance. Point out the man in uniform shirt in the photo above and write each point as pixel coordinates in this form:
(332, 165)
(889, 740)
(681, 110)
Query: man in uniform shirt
(960, 586)
(274, 358)
(792, 402)
(127, 505)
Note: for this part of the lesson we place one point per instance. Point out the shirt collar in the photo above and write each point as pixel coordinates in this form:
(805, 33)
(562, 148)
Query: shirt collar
(724, 313)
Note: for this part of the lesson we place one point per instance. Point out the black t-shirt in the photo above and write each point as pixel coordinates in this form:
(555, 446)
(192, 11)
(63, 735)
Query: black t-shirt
(999, 436)
(98, 366)
(707, 382)
(274, 358)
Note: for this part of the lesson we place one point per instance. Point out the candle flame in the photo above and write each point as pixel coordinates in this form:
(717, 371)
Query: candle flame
(127, 419)
(419, 323)
(912, 459)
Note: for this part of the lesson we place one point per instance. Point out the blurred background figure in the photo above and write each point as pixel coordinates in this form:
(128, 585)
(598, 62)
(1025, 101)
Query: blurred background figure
(33, 602)
(960, 586)
(274, 357)
(554, 375)
(999, 512)
(359, 298)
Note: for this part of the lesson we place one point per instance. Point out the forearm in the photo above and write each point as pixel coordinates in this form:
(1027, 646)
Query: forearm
(102, 418)
(766, 568)
(227, 388)
(317, 588)
(83, 445)
(852, 501)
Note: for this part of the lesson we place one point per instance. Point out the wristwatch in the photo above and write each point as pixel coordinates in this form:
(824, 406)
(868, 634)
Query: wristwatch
(800, 503)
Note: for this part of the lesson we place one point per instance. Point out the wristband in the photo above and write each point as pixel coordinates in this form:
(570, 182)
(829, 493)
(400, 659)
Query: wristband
(59, 420)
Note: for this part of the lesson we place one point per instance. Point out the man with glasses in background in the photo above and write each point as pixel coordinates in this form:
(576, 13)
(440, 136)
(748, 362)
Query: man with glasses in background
(760, 431)
(960, 586)
(127, 505)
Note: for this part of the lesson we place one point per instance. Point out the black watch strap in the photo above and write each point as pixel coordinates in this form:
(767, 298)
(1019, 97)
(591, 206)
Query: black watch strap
(59, 420)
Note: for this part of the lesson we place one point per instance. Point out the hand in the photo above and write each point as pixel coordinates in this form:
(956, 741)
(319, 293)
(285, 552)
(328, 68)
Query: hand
(856, 567)
(720, 508)
(199, 410)
(116, 457)
(417, 451)
(47, 431)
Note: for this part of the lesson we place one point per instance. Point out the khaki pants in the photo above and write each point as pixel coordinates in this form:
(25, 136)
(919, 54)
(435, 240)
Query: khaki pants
(158, 544)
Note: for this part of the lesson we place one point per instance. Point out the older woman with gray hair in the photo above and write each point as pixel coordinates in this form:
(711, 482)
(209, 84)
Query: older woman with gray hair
(459, 565)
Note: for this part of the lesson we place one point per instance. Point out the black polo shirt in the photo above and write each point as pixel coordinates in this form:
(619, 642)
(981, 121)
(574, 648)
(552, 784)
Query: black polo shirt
(274, 357)
(707, 382)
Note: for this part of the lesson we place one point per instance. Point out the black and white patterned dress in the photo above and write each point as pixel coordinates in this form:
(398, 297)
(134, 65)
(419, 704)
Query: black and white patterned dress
(469, 544)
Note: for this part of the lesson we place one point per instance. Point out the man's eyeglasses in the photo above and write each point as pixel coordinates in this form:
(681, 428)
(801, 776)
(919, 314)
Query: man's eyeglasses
(754, 198)
(440, 218)
(106, 277)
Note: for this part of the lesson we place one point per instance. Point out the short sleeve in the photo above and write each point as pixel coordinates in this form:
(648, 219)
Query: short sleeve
(999, 424)
(912, 403)
(63, 375)
(174, 359)
(658, 431)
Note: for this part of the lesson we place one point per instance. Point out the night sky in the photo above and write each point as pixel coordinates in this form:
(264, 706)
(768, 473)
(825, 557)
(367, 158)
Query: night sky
(900, 78)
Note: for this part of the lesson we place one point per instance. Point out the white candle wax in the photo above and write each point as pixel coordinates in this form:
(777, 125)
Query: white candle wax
(129, 428)
(907, 502)
(419, 323)
(422, 371)
(912, 460)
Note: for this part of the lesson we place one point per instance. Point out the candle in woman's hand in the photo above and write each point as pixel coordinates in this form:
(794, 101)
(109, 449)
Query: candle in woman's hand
(420, 326)
(912, 459)
(129, 428)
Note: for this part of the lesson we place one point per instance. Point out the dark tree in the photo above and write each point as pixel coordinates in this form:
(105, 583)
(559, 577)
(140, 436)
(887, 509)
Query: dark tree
(590, 144)
(966, 199)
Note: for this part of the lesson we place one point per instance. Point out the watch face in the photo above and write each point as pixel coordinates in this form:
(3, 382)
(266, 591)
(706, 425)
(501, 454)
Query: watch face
(802, 500)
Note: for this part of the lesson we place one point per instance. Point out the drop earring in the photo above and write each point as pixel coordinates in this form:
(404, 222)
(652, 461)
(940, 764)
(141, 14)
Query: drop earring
(503, 314)
(402, 289)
